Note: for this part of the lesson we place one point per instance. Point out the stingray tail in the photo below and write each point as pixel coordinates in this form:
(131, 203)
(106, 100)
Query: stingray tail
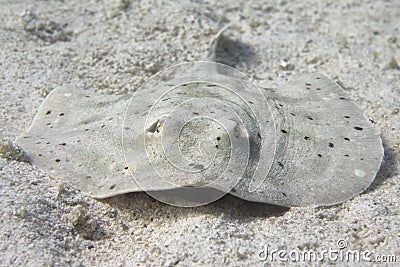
(212, 51)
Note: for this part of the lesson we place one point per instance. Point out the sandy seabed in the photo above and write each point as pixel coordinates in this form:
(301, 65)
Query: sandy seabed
(112, 47)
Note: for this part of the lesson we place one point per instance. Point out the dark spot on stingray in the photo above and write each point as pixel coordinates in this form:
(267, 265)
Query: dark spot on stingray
(211, 85)
(370, 120)
(347, 117)
(347, 139)
(63, 144)
(58, 160)
(251, 102)
(61, 114)
(218, 138)
(318, 88)
(280, 164)
(125, 168)
(292, 114)
(306, 137)
(87, 96)
(331, 145)
(199, 167)
(358, 128)
(284, 131)
(86, 130)
(259, 135)
(48, 124)
(48, 143)
(346, 155)
(319, 155)
(361, 159)
(184, 84)
(308, 84)
(102, 126)
(317, 78)
(342, 98)
(310, 118)
(113, 186)
(39, 155)
(165, 99)
(48, 112)
(280, 105)
(283, 194)
(216, 146)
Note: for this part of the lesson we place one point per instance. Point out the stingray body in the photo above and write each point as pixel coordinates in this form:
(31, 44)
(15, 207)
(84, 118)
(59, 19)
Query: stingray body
(197, 131)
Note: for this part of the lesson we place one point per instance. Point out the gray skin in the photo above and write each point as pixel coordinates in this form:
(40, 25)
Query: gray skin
(205, 125)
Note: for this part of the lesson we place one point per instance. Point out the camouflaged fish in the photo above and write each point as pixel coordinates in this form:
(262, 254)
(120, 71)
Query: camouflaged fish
(199, 130)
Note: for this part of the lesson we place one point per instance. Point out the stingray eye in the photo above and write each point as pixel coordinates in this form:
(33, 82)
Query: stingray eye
(196, 131)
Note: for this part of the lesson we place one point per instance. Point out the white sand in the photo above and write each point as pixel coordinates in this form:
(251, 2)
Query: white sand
(112, 47)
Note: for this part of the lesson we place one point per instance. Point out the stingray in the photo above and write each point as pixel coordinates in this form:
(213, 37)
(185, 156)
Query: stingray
(197, 131)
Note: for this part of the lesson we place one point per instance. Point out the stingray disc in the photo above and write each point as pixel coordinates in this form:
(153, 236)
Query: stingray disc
(197, 131)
